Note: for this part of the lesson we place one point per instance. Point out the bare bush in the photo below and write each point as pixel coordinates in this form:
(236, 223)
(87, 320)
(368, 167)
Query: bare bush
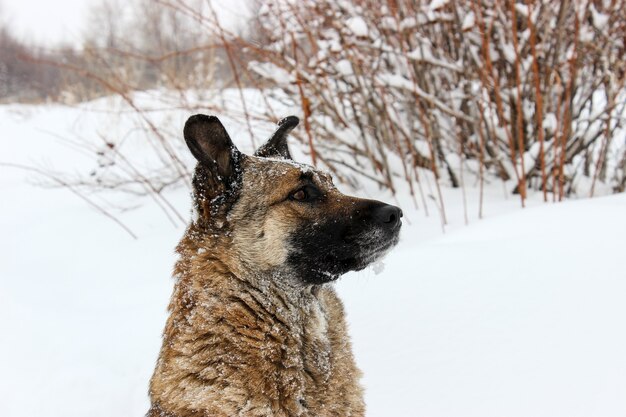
(528, 91)
(156, 63)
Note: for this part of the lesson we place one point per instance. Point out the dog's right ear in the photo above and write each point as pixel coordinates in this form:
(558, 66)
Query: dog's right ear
(209, 142)
(276, 145)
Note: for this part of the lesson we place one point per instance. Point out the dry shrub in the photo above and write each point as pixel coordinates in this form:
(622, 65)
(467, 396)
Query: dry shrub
(526, 91)
(530, 93)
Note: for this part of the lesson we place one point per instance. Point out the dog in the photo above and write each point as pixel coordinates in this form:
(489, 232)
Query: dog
(255, 328)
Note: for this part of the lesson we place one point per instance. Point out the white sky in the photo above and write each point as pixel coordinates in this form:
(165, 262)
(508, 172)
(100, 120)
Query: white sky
(46, 22)
(51, 22)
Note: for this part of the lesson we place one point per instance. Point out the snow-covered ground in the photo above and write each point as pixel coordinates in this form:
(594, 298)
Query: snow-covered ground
(520, 314)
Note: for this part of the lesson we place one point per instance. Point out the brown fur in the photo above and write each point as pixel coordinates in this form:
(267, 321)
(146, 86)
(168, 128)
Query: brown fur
(255, 327)
(242, 338)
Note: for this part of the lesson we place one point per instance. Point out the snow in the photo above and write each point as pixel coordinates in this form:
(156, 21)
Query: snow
(468, 21)
(509, 52)
(519, 314)
(600, 20)
(378, 267)
(522, 9)
(357, 26)
(550, 122)
(437, 4)
(476, 324)
(408, 23)
(271, 71)
(344, 67)
(423, 53)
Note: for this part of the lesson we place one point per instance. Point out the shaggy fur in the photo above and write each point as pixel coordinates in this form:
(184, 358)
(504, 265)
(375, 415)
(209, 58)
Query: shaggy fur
(254, 329)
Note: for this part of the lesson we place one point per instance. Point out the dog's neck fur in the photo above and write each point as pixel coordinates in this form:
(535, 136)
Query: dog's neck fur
(226, 318)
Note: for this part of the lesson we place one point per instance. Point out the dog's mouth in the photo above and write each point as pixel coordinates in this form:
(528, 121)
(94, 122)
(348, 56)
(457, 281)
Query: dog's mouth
(350, 255)
(369, 254)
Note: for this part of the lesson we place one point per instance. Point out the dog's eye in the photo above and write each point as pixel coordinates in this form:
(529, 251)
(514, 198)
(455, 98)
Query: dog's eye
(306, 193)
(299, 195)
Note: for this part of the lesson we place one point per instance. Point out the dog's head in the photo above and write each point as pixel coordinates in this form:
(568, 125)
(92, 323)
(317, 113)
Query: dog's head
(279, 215)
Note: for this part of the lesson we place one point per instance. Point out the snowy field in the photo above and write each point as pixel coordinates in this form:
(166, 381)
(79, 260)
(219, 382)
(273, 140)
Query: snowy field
(520, 314)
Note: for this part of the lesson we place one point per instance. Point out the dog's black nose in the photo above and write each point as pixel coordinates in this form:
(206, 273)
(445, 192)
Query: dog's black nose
(388, 215)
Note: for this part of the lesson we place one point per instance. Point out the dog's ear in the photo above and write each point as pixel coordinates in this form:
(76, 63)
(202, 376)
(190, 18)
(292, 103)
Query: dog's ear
(276, 145)
(209, 142)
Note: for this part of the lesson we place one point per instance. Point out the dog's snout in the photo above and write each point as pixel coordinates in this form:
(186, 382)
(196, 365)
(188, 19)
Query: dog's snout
(388, 215)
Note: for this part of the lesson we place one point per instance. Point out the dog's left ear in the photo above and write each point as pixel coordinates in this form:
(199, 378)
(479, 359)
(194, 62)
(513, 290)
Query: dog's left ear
(218, 174)
(276, 145)
(209, 142)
